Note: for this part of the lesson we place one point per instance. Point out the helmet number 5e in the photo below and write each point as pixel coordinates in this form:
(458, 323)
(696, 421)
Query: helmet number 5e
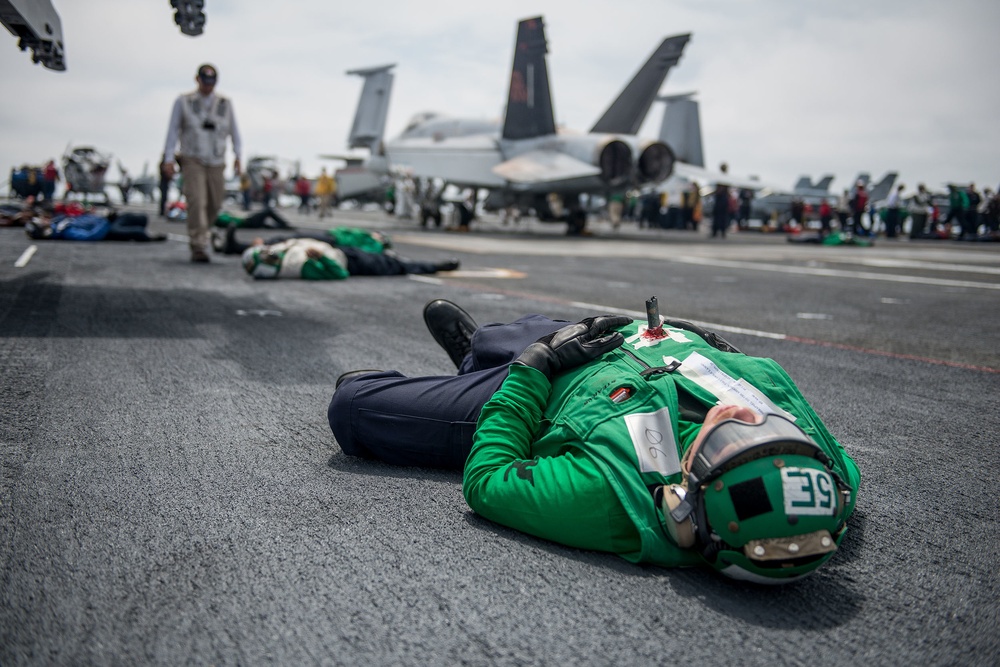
(808, 491)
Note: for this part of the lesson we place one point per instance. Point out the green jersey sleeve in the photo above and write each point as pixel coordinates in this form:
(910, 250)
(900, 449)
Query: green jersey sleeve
(323, 268)
(354, 237)
(563, 498)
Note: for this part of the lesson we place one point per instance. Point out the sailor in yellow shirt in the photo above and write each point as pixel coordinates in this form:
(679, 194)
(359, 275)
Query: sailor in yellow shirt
(326, 189)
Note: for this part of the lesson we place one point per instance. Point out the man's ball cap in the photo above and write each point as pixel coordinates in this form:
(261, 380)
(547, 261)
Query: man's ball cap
(207, 73)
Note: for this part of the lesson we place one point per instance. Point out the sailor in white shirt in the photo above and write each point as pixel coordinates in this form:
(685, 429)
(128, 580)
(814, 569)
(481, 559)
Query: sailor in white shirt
(893, 218)
(202, 121)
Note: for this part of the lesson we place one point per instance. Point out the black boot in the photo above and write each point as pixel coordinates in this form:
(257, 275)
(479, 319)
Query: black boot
(231, 245)
(451, 327)
(218, 239)
(420, 267)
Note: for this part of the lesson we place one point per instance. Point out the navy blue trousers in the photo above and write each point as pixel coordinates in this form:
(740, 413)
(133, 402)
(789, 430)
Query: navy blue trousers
(430, 421)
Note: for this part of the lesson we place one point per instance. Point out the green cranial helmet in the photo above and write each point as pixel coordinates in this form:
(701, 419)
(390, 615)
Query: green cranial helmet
(260, 264)
(773, 519)
(761, 502)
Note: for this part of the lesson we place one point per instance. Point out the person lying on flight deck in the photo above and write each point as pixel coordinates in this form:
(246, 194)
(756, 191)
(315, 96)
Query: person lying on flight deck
(340, 236)
(17, 215)
(313, 259)
(226, 224)
(666, 446)
(90, 226)
(267, 218)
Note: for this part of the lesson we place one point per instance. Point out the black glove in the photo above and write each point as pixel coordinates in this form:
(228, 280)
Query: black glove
(574, 345)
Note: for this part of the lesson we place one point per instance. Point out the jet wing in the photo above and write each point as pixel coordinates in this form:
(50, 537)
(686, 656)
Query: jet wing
(542, 166)
(351, 159)
(708, 177)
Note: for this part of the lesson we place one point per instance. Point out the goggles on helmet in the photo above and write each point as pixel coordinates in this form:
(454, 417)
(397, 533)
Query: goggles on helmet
(732, 442)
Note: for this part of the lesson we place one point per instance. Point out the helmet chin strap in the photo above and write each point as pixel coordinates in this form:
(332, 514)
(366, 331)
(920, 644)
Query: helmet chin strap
(683, 511)
(709, 546)
(703, 540)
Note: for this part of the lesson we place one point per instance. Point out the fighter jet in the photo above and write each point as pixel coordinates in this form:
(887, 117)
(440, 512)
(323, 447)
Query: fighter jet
(771, 202)
(524, 159)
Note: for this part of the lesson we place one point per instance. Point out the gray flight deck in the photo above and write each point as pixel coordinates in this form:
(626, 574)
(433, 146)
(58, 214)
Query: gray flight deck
(171, 493)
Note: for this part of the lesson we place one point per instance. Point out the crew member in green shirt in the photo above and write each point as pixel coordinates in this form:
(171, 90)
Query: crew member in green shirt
(658, 441)
(310, 258)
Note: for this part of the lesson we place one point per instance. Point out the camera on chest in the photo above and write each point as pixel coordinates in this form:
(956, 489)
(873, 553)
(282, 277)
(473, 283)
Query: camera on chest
(208, 124)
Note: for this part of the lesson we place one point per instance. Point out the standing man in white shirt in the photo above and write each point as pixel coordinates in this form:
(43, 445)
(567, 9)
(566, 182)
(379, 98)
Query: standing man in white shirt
(893, 217)
(201, 121)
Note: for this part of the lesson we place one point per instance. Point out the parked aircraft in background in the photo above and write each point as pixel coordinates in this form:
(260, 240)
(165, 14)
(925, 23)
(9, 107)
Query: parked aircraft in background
(880, 190)
(259, 167)
(367, 174)
(525, 159)
(681, 130)
(357, 180)
(771, 204)
(84, 170)
(876, 192)
(146, 184)
(775, 203)
(805, 184)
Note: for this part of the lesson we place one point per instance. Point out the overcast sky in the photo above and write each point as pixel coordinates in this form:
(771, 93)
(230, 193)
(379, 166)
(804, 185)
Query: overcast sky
(786, 87)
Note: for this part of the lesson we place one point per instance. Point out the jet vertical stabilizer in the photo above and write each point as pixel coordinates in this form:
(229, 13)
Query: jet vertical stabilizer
(804, 183)
(627, 113)
(824, 183)
(881, 190)
(373, 108)
(681, 128)
(529, 101)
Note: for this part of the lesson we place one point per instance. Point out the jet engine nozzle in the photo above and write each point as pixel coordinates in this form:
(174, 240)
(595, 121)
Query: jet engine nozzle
(615, 162)
(656, 162)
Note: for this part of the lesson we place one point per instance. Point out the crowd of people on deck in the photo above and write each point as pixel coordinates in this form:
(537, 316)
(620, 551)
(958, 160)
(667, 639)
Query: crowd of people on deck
(962, 213)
